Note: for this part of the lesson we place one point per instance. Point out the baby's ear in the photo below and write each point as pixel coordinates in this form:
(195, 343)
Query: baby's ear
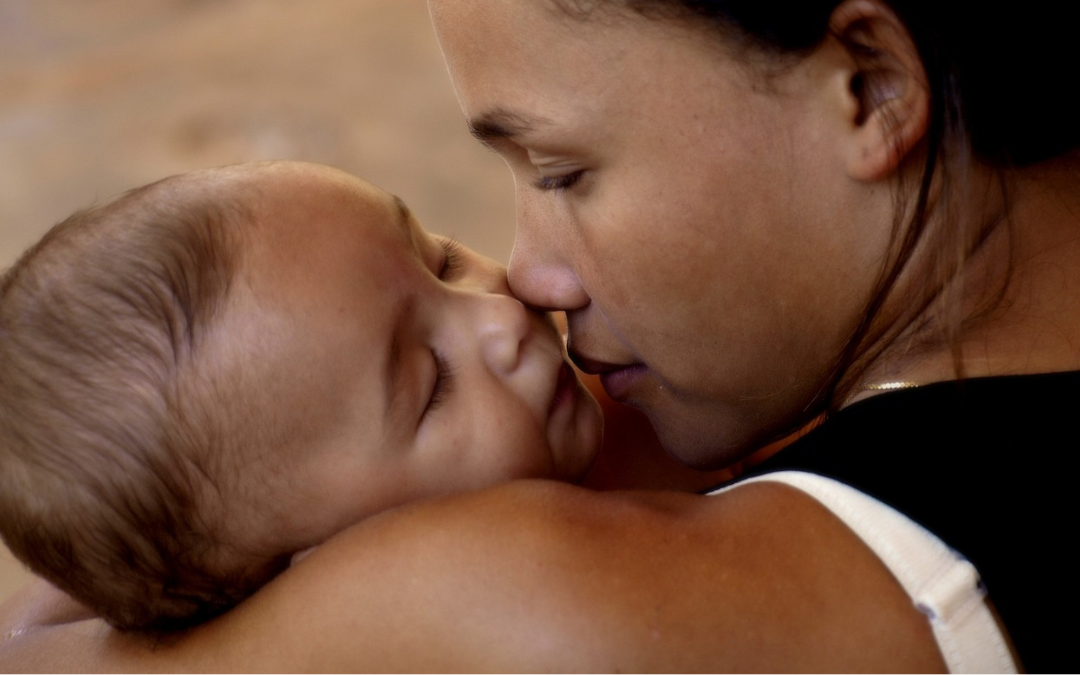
(300, 555)
(888, 87)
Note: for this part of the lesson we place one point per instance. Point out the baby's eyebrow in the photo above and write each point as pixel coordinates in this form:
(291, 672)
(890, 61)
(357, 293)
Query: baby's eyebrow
(404, 219)
(393, 367)
(392, 371)
(403, 209)
(393, 360)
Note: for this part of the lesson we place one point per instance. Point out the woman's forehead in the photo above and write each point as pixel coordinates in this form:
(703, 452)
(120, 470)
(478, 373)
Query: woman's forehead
(514, 64)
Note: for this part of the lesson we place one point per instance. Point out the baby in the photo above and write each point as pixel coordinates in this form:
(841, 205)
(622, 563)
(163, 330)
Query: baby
(218, 370)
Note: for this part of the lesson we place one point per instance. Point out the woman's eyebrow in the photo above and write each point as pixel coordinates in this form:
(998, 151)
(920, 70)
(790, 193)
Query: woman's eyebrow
(499, 124)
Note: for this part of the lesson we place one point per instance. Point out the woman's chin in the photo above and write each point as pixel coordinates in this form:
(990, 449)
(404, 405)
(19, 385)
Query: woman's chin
(704, 441)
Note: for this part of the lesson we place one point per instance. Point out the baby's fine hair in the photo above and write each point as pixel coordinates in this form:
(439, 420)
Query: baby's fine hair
(109, 437)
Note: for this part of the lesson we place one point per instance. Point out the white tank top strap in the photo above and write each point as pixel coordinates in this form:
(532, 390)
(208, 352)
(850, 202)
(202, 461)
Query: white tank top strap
(943, 584)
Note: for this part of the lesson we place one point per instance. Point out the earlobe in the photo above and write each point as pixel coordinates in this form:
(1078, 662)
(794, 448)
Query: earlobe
(887, 88)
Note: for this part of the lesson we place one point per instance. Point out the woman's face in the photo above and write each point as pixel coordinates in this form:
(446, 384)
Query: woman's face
(691, 215)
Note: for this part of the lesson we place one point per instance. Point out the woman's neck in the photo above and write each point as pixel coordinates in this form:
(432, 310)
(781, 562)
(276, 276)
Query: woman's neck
(1015, 307)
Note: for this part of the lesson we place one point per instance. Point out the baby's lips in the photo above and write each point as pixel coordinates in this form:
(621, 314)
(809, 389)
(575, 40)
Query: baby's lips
(565, 384)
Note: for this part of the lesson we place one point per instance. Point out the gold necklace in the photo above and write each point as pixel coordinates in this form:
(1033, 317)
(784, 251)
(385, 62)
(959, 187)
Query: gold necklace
(890, 386)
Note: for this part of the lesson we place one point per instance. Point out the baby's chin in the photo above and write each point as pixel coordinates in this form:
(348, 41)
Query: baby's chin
(583, 440)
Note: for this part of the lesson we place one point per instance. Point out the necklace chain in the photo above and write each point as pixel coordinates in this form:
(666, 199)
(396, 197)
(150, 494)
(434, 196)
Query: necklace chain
(890, 386)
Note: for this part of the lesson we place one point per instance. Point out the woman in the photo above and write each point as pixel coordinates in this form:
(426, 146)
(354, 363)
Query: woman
(753, 214)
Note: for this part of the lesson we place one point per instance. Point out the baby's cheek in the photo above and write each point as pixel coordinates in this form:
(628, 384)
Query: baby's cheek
(523, 452)
(579, 451)
(531, 456)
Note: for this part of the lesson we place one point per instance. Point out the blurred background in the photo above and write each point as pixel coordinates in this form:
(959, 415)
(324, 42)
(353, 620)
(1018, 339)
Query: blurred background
(98, 96)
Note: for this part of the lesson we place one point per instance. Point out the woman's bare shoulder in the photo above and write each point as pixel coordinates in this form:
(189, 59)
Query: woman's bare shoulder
(543, 576)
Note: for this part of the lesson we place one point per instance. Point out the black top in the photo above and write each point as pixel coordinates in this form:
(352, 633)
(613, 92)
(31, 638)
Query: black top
(989, 466)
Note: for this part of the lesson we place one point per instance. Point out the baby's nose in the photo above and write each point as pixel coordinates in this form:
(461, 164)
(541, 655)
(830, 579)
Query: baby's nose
(489, 276)
(504, 327)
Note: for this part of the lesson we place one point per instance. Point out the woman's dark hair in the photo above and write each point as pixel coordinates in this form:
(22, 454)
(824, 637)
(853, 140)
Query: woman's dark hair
(998, 79)
(1001, 74)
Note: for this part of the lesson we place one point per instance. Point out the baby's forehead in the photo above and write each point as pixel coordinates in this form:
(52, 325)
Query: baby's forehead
(270, 179)
(268, 185)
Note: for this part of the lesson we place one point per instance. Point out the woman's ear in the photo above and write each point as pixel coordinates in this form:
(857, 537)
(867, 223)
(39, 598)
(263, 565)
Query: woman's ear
(888, 87)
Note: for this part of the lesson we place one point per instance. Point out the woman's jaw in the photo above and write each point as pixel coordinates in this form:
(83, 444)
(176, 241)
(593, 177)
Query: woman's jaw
(700, 431)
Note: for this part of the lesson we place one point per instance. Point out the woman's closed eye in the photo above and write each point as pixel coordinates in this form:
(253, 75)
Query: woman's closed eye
(443, 385)
(555, 183)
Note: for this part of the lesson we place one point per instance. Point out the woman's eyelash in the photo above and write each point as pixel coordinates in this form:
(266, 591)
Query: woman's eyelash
(453, 257)
(444, 379)
(558, 182)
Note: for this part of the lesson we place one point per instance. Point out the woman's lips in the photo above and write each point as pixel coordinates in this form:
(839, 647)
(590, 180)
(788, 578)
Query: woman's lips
(618, 379)
(619, 382)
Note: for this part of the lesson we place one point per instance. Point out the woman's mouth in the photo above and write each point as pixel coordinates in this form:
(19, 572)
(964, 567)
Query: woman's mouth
(618, 379)
(618, 383)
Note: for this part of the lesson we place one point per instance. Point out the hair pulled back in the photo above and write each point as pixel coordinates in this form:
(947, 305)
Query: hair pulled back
(998, 76)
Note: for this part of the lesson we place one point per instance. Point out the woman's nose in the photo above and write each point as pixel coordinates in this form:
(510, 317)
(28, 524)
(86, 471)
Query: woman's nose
(504, 326)
(540, 273)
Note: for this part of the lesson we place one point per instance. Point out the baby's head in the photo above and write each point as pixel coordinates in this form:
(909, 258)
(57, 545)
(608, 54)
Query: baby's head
(218, 370)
